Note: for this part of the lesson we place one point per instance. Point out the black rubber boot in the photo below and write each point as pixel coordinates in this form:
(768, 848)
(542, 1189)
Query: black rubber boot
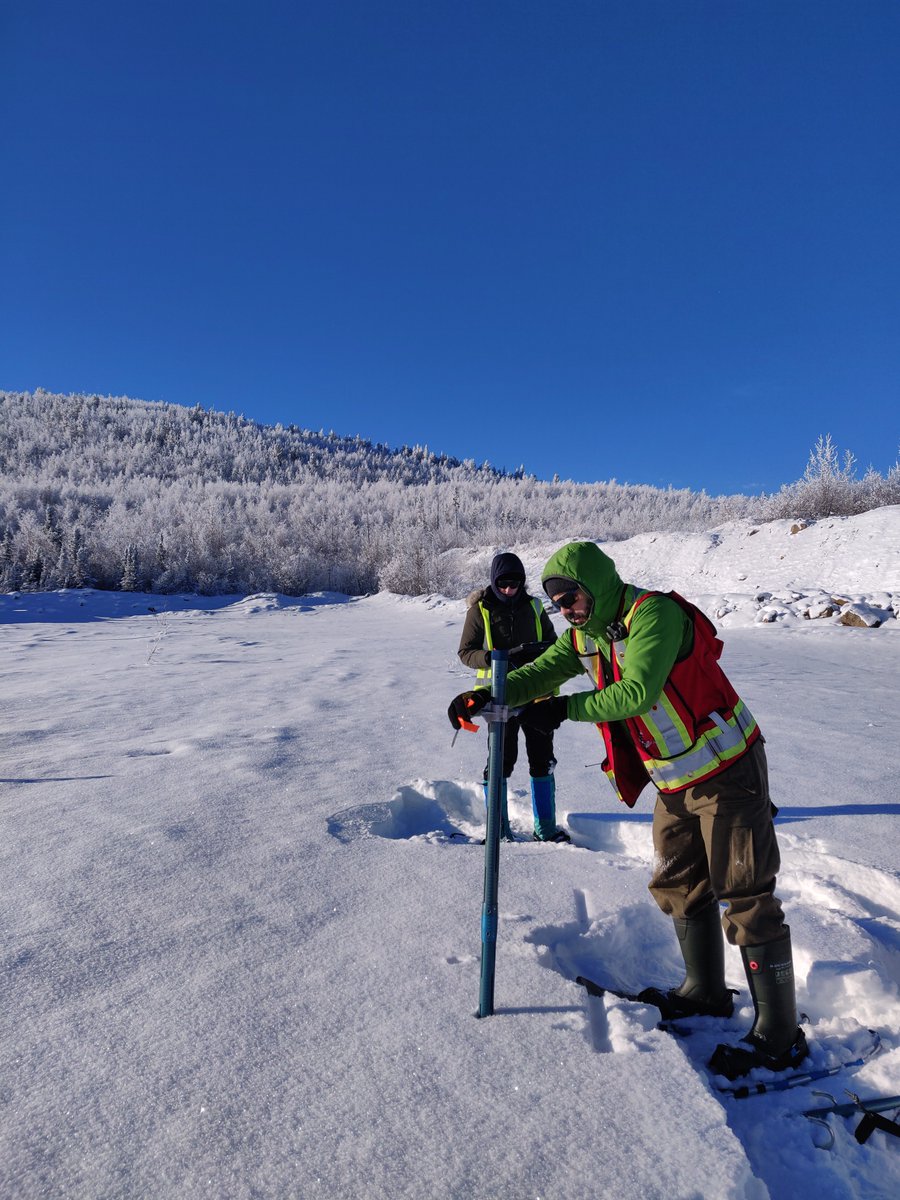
(775, 1040)
(702, 992)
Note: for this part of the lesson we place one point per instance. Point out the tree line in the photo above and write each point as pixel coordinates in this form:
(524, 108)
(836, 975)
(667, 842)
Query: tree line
(116, 493)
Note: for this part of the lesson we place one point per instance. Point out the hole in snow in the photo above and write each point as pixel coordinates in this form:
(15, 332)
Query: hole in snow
(437, 810)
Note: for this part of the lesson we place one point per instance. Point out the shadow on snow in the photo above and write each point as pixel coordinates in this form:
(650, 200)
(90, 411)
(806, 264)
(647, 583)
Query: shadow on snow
(87, 604)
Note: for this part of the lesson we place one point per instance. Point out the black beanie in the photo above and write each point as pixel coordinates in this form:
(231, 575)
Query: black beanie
(555, 585)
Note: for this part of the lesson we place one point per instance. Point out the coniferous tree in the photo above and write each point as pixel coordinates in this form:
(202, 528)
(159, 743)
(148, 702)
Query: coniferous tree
(129, 580)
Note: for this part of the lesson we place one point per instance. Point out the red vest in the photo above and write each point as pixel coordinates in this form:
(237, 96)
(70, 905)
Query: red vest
(695, 728)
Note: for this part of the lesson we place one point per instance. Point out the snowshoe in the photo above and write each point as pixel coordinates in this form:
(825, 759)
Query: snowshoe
(735, 1061)
(672, 1005)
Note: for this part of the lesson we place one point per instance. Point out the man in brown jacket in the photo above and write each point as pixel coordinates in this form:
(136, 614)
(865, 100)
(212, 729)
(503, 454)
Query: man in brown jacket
(504, 617)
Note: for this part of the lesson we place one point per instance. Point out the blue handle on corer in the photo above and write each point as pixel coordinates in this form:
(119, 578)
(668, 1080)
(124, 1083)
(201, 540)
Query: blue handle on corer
(488, 924)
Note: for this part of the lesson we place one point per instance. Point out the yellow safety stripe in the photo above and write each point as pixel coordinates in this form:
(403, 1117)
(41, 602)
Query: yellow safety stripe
(620, 647)
(716, 746)
(680, 761)
(484, 673)
(666, 728)
(589, 653)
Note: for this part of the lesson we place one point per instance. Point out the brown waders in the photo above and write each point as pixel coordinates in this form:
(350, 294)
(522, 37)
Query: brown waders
(715, 844)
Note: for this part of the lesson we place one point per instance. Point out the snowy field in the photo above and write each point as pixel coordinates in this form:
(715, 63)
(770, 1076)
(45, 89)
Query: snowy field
(242, 901)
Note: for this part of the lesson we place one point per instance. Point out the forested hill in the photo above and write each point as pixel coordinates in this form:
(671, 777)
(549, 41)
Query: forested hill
(95, 439)
(120, 493)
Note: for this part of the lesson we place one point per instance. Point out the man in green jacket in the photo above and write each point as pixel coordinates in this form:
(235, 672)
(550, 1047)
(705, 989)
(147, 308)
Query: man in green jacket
(670, 716)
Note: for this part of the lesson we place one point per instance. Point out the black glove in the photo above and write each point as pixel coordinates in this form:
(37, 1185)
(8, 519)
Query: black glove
(545, 715)
(520, 656)
(465, 706)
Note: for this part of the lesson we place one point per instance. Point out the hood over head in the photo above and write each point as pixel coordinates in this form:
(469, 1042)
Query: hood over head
(585, 563)
(507, 566)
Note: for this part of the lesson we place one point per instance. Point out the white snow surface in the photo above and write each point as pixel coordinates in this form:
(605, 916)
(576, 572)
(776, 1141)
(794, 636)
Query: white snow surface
(242, 893)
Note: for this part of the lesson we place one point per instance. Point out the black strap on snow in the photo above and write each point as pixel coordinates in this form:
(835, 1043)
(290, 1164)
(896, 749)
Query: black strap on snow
(872, 1121)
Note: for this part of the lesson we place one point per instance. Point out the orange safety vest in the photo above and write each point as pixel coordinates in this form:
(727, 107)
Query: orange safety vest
(695, 728)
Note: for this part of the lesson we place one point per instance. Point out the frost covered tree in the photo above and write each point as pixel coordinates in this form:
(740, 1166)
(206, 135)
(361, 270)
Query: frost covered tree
(129, 580)
(111, 492)
(829, 487)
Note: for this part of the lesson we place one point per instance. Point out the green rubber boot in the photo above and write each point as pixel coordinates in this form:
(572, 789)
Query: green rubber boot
(775, 1041)
(702, 992)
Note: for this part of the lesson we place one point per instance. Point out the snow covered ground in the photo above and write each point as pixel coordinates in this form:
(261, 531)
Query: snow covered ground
(242, 901)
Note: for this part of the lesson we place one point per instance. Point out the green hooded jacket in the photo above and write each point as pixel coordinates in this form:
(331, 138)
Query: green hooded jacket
(661, 631)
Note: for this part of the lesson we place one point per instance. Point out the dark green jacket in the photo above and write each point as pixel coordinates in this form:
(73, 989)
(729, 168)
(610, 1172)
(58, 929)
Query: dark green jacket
(660, 632)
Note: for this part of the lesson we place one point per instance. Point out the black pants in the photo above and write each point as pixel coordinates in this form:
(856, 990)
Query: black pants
(538, 748)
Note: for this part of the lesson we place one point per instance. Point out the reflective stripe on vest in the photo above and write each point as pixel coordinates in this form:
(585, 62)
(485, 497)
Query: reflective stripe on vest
(673, 756)
(484, 673)
(728, 738)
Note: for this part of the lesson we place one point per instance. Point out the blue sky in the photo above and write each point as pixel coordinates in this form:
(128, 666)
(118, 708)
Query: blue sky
(654, 240)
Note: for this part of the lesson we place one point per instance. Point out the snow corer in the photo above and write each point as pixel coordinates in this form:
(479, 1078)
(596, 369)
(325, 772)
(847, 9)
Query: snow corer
(497, 718)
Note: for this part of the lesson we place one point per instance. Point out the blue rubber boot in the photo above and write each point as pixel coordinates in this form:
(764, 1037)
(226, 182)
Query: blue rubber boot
(506, 832)
(543, 804)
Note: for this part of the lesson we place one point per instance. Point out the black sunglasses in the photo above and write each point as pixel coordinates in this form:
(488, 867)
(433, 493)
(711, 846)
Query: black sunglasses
(566, 601)
(509, 583)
